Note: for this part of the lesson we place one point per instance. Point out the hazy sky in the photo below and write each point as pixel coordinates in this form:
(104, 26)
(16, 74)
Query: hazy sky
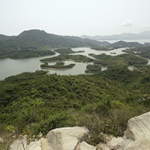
(75, 17)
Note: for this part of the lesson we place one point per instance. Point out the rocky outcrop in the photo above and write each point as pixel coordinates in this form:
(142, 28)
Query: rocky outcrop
(45, 145)
(69, 138)
(136, 137)
(138, 128)
(35, 145)
(85, 146)
(19, 144)
(66, 138)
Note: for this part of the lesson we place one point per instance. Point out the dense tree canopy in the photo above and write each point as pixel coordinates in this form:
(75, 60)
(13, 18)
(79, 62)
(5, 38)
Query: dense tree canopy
(102, 102)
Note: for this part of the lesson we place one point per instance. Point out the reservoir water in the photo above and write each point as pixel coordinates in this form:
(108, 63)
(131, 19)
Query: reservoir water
(9, 67)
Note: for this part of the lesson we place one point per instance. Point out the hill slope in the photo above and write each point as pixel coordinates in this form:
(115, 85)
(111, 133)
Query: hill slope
(31, 103)
(121, 44)
(4, 37)
(34, 41)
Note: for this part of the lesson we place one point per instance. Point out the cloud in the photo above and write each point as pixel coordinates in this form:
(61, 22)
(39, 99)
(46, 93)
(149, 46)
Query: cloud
(127, 23)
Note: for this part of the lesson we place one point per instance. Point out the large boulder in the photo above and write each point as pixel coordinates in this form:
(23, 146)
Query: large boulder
(113, 143)
(131, 145)
(136, 137)
(36, 145)
(45, 145)
(69, 138)
(102, 146)
(66, 138)
(85, 146)
(138, 129)
(19, 144)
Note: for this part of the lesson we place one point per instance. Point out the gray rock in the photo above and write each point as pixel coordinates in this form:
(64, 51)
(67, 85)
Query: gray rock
(45, 145)
(35, 145)
(102, 146)
(19, 144)
(138, 128)
(66, 138)
(135, 146)
(123, 144)
(113, 143)
(136, 137)
(85, 146)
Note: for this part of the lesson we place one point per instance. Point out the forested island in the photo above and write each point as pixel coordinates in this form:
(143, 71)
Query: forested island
(65, 57)
(67, 51)
(58, 65)
(108, 61)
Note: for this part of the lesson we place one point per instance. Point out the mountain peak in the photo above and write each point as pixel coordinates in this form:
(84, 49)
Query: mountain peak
(35, 32)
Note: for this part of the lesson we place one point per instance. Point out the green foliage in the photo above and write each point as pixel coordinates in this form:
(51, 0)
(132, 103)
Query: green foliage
(54, 121)
(58, 65)
(123, 60)
(34, 102)
(24, 53)
(64, 57)
(144, 51)
(10, 128)
(66, 51)
(121, 44)
(93, 68)
(119, 61)
(36, 43)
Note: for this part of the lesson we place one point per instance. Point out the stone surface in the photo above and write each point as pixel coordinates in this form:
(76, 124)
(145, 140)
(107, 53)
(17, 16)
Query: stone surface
(136, 137)
(19, 144)
(66, 138)
(113, 143)
(135, 146)
(102, 146)
(45, 145)
(138, 128)
(122, 145)
(35, 145)
(85, 146)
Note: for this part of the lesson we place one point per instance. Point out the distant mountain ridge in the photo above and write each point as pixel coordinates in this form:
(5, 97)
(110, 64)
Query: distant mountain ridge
(41, 38)
(34, 43)
(4, 37)
(121, 44)
(31, 42)
(123, 36)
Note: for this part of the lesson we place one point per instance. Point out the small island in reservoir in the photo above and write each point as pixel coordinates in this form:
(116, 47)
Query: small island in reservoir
(58, 65)
(65, 57)
(67, 51)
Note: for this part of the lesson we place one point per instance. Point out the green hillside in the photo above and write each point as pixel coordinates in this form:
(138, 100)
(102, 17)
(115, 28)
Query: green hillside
(35, 43)
(31, 103)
